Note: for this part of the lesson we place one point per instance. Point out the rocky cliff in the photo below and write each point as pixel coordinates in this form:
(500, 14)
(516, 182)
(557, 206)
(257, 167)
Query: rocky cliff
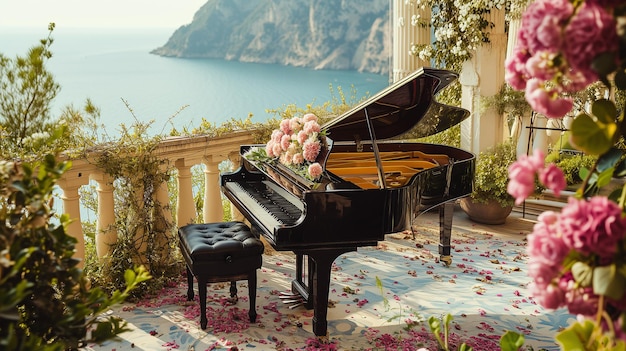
(320, 34)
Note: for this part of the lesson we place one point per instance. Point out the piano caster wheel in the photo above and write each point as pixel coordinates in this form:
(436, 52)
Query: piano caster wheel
(447, 260)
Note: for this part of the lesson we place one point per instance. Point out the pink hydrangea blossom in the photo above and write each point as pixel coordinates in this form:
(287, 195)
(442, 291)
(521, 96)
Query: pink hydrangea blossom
(556, 46)
(542, 275)
(552, 177)
(520, 191)
(550, 297)
(541, 65)
(591, 31)
(592, 226)
(516, 73)
(541, 23)
(547, 101)
(581, 301)
(522, 175)
(544, 243)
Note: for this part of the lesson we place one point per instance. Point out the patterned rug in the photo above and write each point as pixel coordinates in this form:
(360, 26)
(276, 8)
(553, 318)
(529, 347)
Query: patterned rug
(380, 298)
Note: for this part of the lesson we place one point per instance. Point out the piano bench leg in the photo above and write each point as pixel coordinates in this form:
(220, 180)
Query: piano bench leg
(190, 294)
(202, 292)
(252, 295)
(233, 291)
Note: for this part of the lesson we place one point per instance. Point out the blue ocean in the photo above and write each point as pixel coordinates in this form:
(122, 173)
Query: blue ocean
(114, 68)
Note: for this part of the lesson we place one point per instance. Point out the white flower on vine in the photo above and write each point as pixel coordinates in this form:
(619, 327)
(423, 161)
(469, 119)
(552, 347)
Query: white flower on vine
(415, 19)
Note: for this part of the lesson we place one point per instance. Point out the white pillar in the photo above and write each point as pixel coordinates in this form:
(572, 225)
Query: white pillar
(186, 212)
(106, 232)
(163, 201)
(71, 206)
(483, 76)
(212, 210)
(404, 35)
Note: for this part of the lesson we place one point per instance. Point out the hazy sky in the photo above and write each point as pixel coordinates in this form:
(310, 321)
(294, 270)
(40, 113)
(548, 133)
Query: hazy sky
(101, 13)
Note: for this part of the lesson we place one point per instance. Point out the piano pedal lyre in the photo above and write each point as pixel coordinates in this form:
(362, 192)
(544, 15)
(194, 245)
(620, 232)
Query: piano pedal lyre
(292, 299)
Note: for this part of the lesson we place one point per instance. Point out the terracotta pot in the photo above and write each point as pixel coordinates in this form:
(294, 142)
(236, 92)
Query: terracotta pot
(489, 213)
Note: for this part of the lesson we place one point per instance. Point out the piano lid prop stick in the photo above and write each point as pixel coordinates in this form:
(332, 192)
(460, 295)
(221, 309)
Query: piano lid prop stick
(379, 165)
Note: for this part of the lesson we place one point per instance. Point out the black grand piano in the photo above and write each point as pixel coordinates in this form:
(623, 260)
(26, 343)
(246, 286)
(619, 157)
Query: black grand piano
(370, 186)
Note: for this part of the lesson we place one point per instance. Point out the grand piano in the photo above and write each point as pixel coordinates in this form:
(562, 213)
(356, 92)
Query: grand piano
(370, 185)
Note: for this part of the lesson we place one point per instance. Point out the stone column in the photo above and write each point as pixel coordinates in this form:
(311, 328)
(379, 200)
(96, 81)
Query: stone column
(106, 232)
(212, 210)
(483, 76)
(186, 212)
(405, 34)
(71, 207)
(164, 222)
(163, 202)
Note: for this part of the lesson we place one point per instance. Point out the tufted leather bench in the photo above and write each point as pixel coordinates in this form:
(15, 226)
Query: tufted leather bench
(220, 252)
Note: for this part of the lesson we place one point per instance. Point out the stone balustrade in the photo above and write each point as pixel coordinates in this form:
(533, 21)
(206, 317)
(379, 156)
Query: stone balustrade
(182, 153)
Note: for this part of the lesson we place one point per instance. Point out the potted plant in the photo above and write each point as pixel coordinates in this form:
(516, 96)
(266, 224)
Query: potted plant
(489, 202)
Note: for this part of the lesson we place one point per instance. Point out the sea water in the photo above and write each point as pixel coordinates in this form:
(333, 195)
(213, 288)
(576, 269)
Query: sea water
(114, 68)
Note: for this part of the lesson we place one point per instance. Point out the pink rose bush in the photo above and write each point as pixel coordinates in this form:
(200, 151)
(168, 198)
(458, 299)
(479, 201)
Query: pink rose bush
(296, 144)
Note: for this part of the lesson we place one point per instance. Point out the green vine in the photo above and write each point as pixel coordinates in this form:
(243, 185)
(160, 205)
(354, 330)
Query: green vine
(144, 236)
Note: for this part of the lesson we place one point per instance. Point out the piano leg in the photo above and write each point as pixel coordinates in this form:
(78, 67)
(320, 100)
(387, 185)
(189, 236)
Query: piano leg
(316, 288)
(446, 211)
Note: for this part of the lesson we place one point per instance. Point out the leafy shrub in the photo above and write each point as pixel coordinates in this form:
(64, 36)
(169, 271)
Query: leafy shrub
(45, 301)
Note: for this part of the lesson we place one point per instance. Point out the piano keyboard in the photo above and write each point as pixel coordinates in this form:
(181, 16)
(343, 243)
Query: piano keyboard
(272, 205)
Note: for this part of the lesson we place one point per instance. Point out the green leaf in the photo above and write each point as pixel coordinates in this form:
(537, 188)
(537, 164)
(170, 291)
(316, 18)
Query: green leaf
(609, 159)
(590, 136)
(576, 336)
(609, 282)
(583, 274)
(605, 177)
(511, 341)
(604, 110)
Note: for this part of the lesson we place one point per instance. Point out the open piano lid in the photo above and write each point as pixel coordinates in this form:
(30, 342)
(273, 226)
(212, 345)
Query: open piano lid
(400, 107)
